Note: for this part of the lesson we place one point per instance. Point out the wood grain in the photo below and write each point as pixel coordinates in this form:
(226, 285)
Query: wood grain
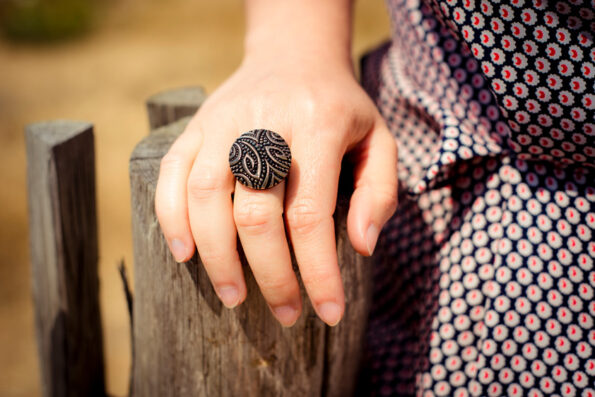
(171, 105)
(63, 244)
(187, 343)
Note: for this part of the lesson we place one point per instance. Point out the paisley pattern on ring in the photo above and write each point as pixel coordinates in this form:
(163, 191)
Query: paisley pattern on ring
(260, 159)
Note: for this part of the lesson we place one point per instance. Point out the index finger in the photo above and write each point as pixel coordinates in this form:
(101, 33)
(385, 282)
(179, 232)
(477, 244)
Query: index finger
(311, 197)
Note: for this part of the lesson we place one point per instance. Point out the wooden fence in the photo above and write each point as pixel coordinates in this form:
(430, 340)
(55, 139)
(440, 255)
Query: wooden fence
(184, 341)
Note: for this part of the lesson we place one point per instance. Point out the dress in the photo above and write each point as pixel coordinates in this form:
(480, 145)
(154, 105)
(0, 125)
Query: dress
(485, 277)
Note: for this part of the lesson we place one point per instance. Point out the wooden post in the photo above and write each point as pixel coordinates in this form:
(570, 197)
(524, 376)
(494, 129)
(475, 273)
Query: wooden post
(171, 105)
(187, 343)
(63, 242)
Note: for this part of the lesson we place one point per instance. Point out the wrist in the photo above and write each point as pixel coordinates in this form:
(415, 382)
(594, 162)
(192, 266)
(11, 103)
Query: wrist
(299, 31)
(296, 53)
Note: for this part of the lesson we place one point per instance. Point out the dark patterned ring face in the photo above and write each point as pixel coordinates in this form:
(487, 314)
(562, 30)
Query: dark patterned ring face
(260, 159)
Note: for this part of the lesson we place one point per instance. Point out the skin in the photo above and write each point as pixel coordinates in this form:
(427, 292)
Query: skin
(296, 79)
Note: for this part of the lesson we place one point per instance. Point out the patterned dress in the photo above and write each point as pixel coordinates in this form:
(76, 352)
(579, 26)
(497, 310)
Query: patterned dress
(485, 277)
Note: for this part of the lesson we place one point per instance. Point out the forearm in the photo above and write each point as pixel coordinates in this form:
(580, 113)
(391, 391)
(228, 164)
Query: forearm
(299, 28)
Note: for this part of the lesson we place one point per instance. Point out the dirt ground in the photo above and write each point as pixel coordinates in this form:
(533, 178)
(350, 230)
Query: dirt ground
(137, 48)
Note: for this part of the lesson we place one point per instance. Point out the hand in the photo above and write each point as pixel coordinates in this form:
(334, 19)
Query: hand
(323, 114)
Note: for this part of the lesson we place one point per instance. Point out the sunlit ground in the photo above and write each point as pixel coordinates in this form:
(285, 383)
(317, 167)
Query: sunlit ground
(136, 49)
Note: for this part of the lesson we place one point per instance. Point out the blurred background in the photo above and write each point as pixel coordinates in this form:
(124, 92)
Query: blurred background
(98, 61)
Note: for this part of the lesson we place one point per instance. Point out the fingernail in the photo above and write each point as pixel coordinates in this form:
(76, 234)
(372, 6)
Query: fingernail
(372, 237)
(330, 313)
(178, 250)
(229, 295)
(286, 315)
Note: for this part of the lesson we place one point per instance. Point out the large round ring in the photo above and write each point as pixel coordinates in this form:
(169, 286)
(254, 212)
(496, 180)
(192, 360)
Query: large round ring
(260, 159)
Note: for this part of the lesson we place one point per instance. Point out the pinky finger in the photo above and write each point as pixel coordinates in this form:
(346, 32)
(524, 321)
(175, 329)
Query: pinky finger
(374, 199)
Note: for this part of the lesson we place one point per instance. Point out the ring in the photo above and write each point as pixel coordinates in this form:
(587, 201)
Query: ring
(260, 159)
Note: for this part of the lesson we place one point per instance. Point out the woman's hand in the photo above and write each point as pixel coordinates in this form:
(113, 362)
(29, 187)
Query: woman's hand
(321, 111)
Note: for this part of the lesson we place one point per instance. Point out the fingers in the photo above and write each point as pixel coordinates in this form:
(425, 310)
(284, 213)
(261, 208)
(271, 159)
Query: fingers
(210, 211)
(259, 220)
(171, 205)
(374, 199)
(310, 204)
(193, 203)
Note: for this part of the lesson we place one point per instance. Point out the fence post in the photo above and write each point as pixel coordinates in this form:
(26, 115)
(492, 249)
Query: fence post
(168, 106)
(187, 343)
(63, 244)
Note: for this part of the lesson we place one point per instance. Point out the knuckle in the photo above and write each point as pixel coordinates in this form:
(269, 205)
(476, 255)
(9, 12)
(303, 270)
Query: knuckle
(204, 185)
(212, 258)
(389, 198)
(167, 206)
(338, 106)
(172, 160)
(254, 215)
(162, 210)
(318, 278)
(310, 102)
(281, 286)
(303, 217)
(262, 100)
(321, 108)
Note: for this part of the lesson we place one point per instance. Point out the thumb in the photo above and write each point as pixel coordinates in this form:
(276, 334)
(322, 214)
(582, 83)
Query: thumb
(374, 199)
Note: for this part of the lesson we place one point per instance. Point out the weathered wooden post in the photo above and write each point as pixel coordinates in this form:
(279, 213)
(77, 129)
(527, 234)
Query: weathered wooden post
(187, 343)
(168, 106)
(63, 242)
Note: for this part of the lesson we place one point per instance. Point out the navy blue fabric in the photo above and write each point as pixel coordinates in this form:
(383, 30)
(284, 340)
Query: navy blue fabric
(484, 276)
